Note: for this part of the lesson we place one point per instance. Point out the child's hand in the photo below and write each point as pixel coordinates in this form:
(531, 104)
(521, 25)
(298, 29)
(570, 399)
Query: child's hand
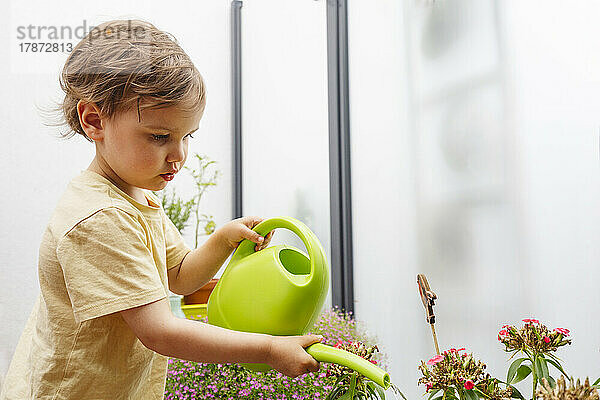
(239, 229)
(287, 355)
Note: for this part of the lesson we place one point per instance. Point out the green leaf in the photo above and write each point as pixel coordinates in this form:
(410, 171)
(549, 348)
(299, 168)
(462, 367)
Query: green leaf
(372, 393)
(480, 393)
(559, 367)
(450, 394)
(512, 370)
(552, 382)
(522, 373)
(471, 395)
(380, 392)
(515, 393)
(396, 390)
(334, 394)
(553, 357)
(543, 368)
(346, 396)
(352, 390)
(433, 393)
(597, 382)
(536, 370)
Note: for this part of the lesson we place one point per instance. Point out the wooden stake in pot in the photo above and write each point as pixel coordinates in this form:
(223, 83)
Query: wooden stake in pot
(428, 297)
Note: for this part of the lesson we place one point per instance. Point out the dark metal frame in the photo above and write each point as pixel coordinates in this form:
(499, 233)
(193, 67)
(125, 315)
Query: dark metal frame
(342, 276)
(342, 271)
(236, 104)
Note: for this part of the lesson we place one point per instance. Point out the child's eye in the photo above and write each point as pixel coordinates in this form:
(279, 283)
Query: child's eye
(159, 138)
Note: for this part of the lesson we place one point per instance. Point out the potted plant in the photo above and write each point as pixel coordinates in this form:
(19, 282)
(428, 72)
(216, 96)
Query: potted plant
(350, 385)
(457, 375)
(191, 380)
(537, 343)
(179, 212)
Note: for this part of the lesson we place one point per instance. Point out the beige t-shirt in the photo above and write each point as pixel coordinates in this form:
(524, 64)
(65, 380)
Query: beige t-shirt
(102, 252)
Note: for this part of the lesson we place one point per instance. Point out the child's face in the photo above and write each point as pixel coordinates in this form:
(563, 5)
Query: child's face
(137, 154)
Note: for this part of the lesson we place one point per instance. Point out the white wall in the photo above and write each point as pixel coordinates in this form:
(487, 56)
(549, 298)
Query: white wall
(284, 115)
(555, 68)
(383, 199)
(474, 130)
(38, 166)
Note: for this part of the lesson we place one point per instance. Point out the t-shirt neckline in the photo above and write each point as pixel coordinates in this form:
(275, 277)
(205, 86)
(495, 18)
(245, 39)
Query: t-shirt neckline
(146, 207)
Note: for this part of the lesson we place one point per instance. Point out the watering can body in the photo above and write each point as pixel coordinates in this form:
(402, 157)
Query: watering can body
(279, 290)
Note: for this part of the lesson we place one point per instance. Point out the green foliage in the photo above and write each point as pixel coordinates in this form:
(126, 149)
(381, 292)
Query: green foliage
(179, 211)
(205, 176)
(191, 380)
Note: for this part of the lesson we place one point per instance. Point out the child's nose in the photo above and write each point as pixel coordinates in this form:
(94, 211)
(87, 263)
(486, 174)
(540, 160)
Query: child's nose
(177, 153)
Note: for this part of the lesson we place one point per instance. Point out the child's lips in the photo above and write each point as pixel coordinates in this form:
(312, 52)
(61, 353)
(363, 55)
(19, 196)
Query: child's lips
(168, 177)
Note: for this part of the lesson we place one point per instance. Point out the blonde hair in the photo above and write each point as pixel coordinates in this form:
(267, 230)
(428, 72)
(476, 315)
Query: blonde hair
(125, 63)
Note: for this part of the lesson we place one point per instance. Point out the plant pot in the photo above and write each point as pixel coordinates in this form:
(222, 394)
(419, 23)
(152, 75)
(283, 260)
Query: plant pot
(194, 311)
(201, 295)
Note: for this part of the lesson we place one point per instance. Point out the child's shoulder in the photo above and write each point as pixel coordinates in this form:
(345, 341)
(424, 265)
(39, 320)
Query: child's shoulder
(85, 196)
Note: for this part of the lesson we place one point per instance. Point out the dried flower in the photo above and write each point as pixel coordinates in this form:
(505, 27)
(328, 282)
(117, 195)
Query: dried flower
(575, 391)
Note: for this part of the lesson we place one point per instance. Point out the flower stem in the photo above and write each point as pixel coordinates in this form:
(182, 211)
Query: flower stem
(534, 375)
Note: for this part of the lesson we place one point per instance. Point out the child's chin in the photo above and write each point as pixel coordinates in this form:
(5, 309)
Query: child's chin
(156, 186)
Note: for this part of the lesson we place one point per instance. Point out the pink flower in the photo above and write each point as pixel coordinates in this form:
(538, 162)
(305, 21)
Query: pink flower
(453, 350)
(429, 386)
(435, 360)
(562, 331)
(546, 339)
(502, 334)
(373, 362)
(531, 321)
(469, 384)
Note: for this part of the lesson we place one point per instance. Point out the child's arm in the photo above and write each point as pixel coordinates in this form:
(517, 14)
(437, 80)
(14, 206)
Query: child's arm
(201, 264)
(160, 331)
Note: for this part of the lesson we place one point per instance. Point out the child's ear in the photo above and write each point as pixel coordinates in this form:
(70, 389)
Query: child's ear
(90, 120)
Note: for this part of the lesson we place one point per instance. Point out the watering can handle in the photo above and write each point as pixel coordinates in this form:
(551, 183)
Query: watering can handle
(315, 251)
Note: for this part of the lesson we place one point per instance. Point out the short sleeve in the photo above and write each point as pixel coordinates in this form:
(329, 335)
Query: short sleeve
(176, 247)
(107, 265)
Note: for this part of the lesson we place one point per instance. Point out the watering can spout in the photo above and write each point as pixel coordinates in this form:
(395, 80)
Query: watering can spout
(324, 353)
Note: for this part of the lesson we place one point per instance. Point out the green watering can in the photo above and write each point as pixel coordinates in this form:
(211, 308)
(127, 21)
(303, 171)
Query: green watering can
(280, 291)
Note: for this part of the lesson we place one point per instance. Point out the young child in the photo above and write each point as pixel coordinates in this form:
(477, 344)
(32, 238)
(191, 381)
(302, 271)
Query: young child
(102, 326)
